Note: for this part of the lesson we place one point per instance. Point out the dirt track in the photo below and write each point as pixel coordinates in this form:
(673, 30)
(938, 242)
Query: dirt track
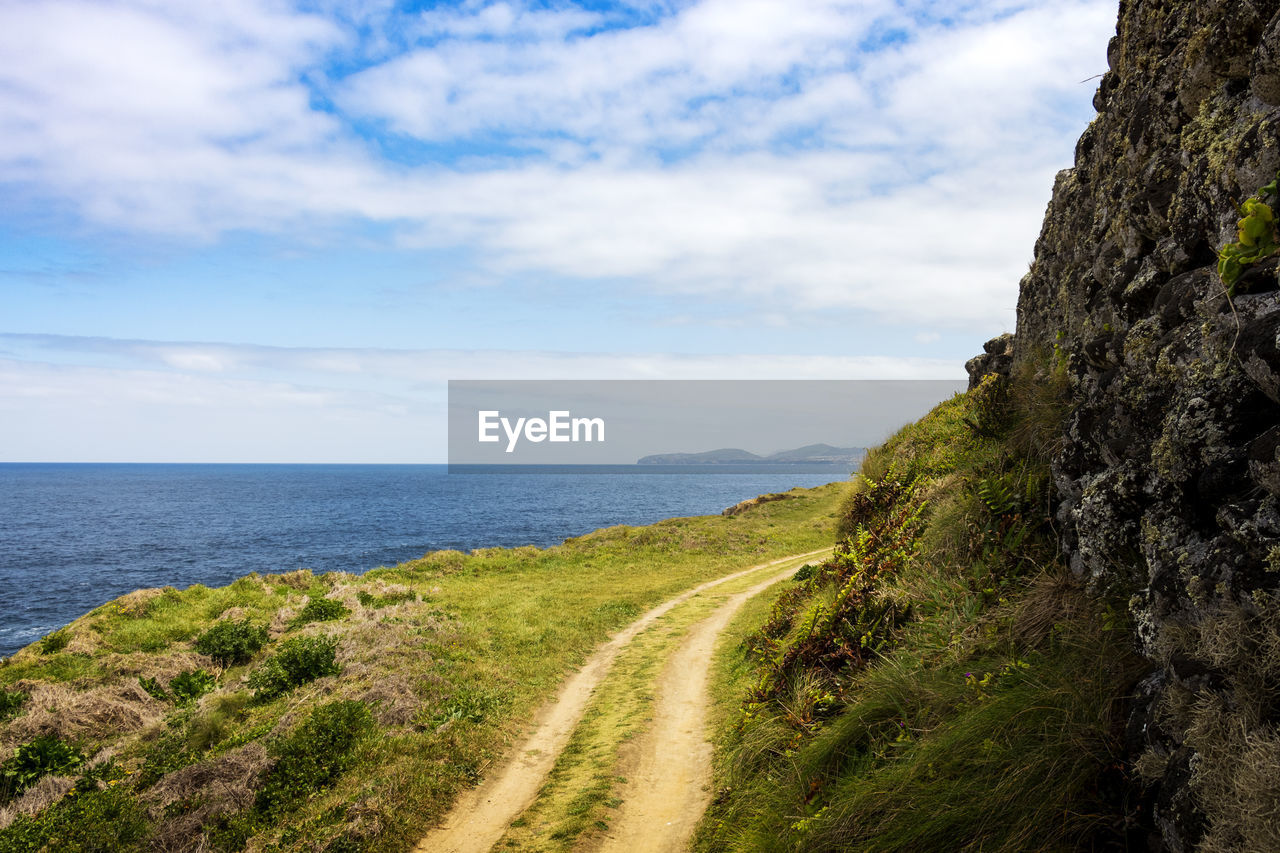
(665, 798)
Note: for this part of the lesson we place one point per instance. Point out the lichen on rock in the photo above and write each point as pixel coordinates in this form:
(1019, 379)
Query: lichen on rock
(1168, 479)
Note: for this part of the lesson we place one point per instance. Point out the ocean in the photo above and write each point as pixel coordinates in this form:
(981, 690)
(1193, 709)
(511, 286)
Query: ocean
(73, 536)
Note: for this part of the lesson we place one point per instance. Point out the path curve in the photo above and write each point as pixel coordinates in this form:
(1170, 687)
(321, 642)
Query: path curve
(668, 792)
(481, 815)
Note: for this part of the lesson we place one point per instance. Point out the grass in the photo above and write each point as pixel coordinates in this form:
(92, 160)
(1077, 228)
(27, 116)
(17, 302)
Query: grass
(942, 683)
(449, 654)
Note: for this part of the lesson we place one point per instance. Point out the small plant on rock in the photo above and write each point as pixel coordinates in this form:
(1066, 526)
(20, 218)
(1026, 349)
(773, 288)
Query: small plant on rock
(1256, 237)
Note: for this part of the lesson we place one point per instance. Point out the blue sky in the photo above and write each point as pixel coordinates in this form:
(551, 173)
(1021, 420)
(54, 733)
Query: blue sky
(269, 231)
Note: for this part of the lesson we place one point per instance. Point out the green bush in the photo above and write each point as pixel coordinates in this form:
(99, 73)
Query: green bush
(299, 660)
(55, 642)
(231, 643)
(34, 759)
(189, 686)
(154, 688)
(11, 703)
(805, 572)
(321, 610)
(315, 754)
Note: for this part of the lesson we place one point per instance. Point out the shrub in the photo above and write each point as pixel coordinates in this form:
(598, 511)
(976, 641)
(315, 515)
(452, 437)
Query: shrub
(11, 703)
(315, 754)
(231, 643)
(804, 572)
(154, 688)
(34, 759)
(299, 660)
(55, 642)
(321, 610)
(189, 686)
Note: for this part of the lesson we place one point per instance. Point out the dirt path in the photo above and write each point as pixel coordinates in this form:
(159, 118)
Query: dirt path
(481, 815)
(666, 795)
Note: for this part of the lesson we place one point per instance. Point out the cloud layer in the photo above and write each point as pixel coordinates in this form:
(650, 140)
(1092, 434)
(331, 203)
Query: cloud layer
(887, 158)
(100, 399)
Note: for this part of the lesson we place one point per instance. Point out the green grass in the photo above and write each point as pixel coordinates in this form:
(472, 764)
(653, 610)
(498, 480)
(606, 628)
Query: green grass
(450, 654)
(942, 683)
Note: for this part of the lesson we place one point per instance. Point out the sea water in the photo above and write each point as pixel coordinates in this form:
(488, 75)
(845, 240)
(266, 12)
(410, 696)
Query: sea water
(73, 536)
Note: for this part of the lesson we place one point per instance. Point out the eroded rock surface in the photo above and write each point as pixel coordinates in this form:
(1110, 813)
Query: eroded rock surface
(1169, 480)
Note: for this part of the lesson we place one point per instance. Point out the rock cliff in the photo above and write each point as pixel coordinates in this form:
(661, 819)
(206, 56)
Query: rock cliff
(1169, 473)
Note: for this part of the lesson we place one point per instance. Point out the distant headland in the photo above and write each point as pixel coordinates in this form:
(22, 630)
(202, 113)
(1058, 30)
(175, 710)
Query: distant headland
(809, 454)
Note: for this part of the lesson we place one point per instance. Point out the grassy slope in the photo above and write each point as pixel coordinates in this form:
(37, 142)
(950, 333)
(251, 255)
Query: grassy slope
(942, 683)
(448, 655)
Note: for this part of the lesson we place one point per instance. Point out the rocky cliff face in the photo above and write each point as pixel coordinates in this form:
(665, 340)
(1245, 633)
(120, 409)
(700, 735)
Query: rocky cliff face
(1170, 471)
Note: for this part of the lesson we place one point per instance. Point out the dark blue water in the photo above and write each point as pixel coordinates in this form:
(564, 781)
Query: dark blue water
(75, 536)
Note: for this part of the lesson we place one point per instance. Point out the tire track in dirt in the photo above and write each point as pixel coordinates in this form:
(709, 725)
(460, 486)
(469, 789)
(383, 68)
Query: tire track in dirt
(481, 815)
(670, 788)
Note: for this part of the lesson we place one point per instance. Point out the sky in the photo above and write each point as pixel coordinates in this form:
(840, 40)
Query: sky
(260, 231)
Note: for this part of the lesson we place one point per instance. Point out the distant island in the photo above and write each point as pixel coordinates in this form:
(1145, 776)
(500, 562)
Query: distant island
(809, 454)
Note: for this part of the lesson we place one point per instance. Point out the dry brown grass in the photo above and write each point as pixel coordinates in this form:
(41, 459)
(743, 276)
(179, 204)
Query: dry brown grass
(138, 602)
(1235, 777)
(298, 579)
(83, 643)
(233, 614)
(283, 618)
(203, 792)
(1053, 597)
(162, 666)
(1237, 761)
(96, 714)
(393, 698)
(346, 593)
(37, 798)
(387, 663)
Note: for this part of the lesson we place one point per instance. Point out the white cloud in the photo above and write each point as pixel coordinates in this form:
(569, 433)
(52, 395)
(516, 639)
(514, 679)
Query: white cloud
(338, 367)
(738, 150)
(98, 399)
(81, 413)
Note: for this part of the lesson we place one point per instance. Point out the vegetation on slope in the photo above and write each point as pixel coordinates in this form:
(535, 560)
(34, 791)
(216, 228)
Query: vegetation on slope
(941, 683)
(337, 713)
